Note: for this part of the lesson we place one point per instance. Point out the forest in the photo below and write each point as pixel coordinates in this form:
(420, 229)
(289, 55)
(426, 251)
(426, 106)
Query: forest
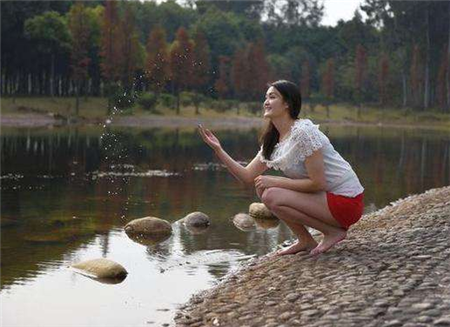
(391, 54)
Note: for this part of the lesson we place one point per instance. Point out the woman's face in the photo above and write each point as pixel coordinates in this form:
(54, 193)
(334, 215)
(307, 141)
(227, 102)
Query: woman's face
(274, 105)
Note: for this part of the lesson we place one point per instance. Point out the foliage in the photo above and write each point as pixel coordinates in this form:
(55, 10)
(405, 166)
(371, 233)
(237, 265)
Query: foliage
(167, 100)
(148, 101)
(397, 56)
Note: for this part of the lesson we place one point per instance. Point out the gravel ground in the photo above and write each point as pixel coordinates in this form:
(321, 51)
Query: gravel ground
(392, 270)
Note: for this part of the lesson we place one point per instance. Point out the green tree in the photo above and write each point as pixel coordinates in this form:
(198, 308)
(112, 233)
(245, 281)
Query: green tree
(52, 35)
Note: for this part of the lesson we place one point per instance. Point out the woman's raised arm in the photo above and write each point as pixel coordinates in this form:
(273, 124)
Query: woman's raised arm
(244, 174)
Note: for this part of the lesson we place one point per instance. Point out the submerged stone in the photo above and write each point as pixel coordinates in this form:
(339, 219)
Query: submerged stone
(244, 221)
(259, 211)
(148, 226)
(101, 268)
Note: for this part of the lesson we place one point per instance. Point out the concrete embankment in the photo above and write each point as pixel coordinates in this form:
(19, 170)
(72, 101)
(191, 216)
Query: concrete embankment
(392, 270)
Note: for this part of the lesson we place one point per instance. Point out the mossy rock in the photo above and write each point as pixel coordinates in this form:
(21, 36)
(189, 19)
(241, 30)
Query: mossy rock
(148, 226)
(244, 221)
(259, 211)
(102, 269)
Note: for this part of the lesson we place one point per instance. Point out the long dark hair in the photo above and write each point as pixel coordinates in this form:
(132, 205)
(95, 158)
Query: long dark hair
(292, 96)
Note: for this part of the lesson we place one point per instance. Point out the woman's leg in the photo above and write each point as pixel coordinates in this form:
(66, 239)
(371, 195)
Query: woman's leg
(310, 209)
(305, 241)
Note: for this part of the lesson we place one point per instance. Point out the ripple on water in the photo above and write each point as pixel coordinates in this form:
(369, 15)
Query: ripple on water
(148, 173)
(218, 259)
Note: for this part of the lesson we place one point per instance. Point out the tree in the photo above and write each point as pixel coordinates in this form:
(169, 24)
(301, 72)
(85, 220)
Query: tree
(307, 13)
(360, 75)
(202, 62)
(110, 49)
(202, 66)
(53, 38)
(79, 29)
(129, 47)
(383, 77)
(303, 12)
(305, 82)
(258, 70)
(157, 67)
(181, 64)
(239, 73)
(222, 84)
(442, 81)
(328, 84)
(416, 77)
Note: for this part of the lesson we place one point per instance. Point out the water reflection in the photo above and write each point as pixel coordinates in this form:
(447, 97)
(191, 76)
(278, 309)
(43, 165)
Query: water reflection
(67, 193)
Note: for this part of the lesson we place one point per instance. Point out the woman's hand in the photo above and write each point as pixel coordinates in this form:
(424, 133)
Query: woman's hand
(209, 138)
(263, 182)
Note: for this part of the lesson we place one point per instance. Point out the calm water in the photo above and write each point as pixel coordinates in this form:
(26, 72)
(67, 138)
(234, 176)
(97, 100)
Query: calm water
(67, 193)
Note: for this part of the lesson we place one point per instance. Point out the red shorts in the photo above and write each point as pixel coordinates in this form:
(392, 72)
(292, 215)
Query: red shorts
(346, 210)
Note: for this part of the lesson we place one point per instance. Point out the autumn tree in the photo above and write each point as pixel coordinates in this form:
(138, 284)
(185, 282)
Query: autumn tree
(222, 84)
(201, 67)
(239, 73)
(258, 69)
(129, 49)
(110, 49)
(79, 30)
(181, 64)
(157, 65)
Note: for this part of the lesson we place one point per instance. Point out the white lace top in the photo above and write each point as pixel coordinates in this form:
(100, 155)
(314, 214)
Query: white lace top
(305, 138)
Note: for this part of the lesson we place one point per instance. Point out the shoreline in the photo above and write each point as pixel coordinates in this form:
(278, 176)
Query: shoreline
(392, 270)
(38, 120)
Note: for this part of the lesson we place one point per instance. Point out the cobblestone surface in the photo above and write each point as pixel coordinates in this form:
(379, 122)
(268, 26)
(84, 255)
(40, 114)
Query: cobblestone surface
(393, 270)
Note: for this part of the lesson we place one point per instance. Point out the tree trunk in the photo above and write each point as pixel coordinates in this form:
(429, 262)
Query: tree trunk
(52, 76)
(77, 98)
(178, 102)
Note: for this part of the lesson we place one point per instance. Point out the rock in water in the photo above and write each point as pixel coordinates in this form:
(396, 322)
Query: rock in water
(148, 226)
(260, 211)
(101, 269)
(197, 220)
(243, 221)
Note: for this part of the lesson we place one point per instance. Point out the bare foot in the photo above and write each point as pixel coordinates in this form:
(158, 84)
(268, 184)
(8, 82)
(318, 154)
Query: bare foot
(329, 241)
(297, 247)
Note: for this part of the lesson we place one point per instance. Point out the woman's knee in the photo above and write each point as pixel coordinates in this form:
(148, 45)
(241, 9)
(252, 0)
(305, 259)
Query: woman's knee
(270, 197)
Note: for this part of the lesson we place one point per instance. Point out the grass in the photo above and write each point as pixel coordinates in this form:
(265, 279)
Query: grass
(95, 108)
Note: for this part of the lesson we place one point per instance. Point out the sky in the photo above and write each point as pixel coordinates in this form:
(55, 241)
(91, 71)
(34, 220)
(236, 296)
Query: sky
(339, 9)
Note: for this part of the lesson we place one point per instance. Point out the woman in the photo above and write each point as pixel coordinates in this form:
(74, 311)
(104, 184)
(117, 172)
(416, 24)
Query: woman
(321, 189)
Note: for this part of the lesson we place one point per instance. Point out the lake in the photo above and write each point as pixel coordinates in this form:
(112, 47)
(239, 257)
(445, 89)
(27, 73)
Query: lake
(67, 192)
